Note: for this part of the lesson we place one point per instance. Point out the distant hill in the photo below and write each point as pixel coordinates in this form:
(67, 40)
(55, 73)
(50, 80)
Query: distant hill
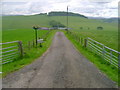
(96, 18)
(107, 20)
(42, 14)
(111, 20)
(62, 13)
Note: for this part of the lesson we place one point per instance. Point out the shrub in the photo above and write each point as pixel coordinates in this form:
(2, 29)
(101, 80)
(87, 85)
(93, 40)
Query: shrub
(99, 28)
(81, 27)
(56, 24)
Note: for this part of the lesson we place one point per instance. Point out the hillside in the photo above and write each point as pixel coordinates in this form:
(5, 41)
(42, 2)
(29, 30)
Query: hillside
(65, 14)
(15, 22)
(111, 20)
(106, 20)
(107, 36)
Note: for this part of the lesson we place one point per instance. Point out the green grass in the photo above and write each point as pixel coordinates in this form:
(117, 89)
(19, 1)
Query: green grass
(101, 64)
(20, 28)
(30, 56)
(107, 36)
(23, 35)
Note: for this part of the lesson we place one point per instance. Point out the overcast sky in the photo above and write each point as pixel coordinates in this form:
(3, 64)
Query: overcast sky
(93, 8)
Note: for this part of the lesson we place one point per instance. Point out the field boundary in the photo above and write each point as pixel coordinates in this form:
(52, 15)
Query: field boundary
(14, 50)
(10, 51)
(110, 55)
(32, 43)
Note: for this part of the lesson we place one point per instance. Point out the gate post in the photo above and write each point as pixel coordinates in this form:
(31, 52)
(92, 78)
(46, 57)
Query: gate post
(85, 42)
(20, 48)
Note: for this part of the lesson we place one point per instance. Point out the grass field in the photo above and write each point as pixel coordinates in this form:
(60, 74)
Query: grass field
(24, 35)
(15, 25)
(107, 36)
(20, 28)
(29, 57)
(99, 62)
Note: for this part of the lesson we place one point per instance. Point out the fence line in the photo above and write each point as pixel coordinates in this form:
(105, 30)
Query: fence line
(110, 55)
(32, 43)
(10, 51)
(8, 42)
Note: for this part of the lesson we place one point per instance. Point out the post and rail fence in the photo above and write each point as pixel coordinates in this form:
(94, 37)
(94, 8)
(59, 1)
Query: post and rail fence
(110, 55)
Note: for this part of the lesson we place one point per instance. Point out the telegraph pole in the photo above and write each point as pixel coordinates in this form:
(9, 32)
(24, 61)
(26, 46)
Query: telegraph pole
(67, 19)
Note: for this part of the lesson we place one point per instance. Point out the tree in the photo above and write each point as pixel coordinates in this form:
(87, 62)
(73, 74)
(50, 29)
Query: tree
(55, 24)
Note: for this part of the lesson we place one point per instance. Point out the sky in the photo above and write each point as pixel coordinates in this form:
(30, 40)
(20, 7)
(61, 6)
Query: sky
(91, 8)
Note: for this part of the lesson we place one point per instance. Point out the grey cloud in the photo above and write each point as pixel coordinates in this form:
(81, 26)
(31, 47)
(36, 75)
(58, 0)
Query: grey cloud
(87, 7)
(114, 8)
(101, 2)
(13, 3)
(84, 10)
(38, 7)
(61, 1)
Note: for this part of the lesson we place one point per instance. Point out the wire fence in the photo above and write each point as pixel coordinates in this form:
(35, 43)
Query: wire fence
(32, 44)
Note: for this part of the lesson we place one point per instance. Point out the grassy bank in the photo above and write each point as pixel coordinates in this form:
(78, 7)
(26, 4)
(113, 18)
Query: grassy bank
(29, 57)
(101, 64)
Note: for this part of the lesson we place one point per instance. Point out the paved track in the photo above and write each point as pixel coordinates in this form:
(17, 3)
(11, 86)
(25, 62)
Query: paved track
(62, 66)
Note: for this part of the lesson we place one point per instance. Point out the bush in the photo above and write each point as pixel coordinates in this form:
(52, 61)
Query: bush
(56, 24)
(100, 28)
(81, 27)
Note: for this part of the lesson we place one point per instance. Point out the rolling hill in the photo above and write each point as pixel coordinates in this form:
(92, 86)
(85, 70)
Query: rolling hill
(107, 36)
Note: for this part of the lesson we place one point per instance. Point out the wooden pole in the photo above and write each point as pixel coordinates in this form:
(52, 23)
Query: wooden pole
(85, 42)
(81, 40)
(36, 28)
(20, 48)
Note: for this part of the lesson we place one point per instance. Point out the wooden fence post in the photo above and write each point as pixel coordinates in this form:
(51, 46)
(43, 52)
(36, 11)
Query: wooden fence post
(85, 42)
(20, 48)
(81, 40)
